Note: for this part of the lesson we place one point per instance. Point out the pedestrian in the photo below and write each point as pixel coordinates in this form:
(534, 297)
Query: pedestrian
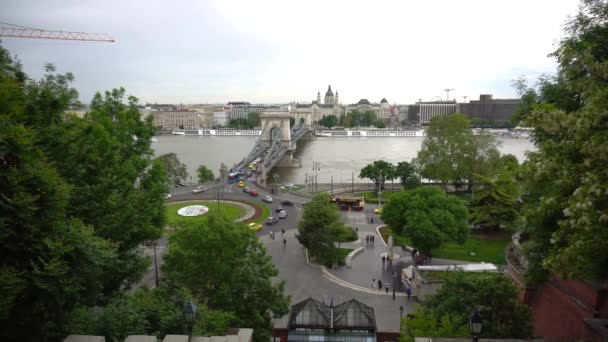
(379, 285)
(270, 234)
(356, 229)
(284, 242)
(386, 286)
(409, 292)
(430, 257)
(373, 282)
(282, 231)
(367, 239)
(373, 239)
(372, 220)
(383, 259)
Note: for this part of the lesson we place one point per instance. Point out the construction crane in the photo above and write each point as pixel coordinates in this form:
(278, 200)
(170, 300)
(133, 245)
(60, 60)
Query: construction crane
(17, 31)
(447, 93)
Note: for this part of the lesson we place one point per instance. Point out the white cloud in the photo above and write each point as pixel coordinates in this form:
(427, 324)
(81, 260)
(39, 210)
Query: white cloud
(276, 51)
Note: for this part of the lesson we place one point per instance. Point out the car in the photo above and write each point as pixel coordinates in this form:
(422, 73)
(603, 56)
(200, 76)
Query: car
(246, 189)
(378, 211)
(271, 220)
(282, 214)
(289, 186)
(168, 196)
(198, 189)
(278, 209)
(241, 184)
(179, 185)
(267, 199)
(251, 165)
(253, 193)
(254, 226)
(287, 203)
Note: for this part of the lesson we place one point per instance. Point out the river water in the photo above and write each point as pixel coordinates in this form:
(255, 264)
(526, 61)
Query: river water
(338, 157)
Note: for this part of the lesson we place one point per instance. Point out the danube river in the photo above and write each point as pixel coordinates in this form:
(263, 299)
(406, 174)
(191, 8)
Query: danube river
(338, 156)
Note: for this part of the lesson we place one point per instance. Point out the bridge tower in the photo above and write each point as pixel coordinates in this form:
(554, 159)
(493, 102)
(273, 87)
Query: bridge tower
(271, 121)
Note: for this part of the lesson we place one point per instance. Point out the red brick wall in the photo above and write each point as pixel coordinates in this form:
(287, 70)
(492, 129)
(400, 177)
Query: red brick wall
(387, 336)
(561, 306)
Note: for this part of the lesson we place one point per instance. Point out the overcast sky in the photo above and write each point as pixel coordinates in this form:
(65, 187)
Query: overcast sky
(278, 51)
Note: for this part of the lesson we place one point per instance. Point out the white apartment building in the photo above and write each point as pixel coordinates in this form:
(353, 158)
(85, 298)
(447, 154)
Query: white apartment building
(221, 118)
(177, 120)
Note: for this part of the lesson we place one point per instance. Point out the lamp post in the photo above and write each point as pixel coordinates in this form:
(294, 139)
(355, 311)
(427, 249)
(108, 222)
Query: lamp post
(400, 316)
(394, 283)
(316, 166)
(190, 315)
(475, 323)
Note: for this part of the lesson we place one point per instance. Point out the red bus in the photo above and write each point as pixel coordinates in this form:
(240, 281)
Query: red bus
(349, 203)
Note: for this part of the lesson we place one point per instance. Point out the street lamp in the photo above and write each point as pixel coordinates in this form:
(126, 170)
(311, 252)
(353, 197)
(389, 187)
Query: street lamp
(316, 166)
(395, 284)
(475, 324)
(190, 315)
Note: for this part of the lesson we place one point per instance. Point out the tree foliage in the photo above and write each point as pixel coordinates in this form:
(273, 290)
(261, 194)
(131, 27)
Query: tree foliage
(406, 172)
(251, 121)
(378, 172)
(319, 227)
(329, 121)
(494, 295)
(204, 174)
(565, 181)
(428, 324)
(427, 216)
(449, 150)
(175, 169)
(492, 206)
(225, 267)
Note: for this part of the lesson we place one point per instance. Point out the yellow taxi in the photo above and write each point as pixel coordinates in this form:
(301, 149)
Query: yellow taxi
(241, 184)
(378, 211)
(251, 165)
(254, 227)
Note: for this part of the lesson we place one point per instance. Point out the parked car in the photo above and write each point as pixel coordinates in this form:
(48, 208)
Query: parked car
(278, 209)
(289, 186)
(378, 211)
(287, 203)
(198, 189)
(282, 214)
(168, 196)
(253, 193)
(267, 199)
(255, 226)
(272, 220)
(241, 184)
(179, 185)
(246, 189)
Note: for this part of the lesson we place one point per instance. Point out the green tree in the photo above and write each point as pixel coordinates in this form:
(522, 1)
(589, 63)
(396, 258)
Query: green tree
(378, 172)
(426, 323)
(329, 121)
(224, 266)
(368, 118)
(449, 150)
(407, 174)
(319, 227)
(51, 262)
(253, 120)
(176, 170)
(204, 174)
(427, 216)
(565, 181)
(239, 123)
(494, 295)
(380, 123)
(492, 206)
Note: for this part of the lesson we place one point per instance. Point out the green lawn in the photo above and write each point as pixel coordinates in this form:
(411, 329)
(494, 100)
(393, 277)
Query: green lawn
(485, 249)
(265, 211)
(230, 211)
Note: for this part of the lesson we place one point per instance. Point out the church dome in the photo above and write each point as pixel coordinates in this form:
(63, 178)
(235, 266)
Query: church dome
(363, 102)
(329, 92)
(383, 100)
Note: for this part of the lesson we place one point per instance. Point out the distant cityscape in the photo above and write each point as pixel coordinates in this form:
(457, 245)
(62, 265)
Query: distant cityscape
(484, 111)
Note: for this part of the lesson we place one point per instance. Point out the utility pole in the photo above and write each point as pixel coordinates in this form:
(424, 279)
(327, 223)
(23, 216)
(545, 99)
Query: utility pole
(447, 93)
(316, 166)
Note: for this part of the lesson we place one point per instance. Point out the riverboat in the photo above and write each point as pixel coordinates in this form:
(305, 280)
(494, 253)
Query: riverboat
(370, 133)
(218, 132)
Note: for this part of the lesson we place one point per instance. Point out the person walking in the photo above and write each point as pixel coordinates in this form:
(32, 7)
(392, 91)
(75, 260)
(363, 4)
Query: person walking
(282, 231)
(386, 286)
(284, 242)
(383, 259)
(409, 292)
(372, 220)
(373, 283)
(367, 239)
(373, 239)
(379, 285)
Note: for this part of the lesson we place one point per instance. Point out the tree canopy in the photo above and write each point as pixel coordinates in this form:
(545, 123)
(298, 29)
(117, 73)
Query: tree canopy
(379, 172)
(175, 169)
(329, 121)
(204, 174)
(407, 174)
(225, 267)
(492, 205)
(427, 216)
(565, 181)
(448, 310)
(78, 196)
(319, 227)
